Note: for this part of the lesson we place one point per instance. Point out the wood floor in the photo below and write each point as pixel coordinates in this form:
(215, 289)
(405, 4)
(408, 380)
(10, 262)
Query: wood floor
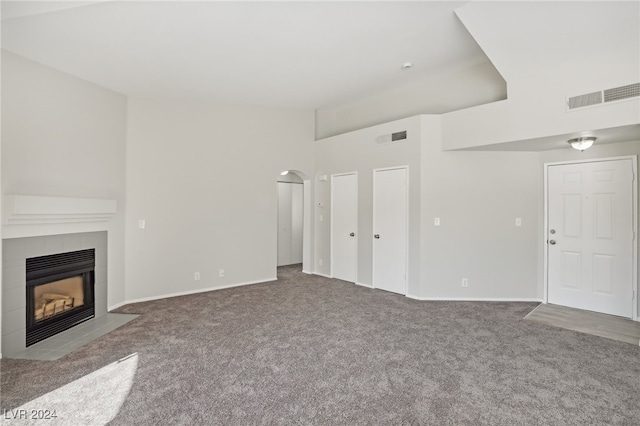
(609, 326)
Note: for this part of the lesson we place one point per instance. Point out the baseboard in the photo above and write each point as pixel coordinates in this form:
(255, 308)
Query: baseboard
(323, 275)
(185, 293)
(476, 299)
(307, 272)
(364, 285)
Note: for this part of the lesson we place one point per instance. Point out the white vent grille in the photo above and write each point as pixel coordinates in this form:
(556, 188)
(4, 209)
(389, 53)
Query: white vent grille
(623, 92)
(604, 96)
(582, 101)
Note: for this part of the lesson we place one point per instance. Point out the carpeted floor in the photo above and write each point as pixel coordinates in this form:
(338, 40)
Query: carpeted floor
(310, 350)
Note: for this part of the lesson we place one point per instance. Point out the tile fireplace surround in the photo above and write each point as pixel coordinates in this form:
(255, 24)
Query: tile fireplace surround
(15, 251)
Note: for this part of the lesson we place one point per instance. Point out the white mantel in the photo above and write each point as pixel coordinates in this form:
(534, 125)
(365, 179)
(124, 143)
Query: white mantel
(33, 215)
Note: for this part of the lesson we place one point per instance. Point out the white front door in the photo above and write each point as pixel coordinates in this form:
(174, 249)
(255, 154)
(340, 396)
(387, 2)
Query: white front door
(390, 230)
(344, 213)
(590, 236)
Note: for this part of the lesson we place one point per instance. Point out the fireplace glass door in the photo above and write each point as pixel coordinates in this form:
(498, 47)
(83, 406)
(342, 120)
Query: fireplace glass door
(60, 293)
(58, 297)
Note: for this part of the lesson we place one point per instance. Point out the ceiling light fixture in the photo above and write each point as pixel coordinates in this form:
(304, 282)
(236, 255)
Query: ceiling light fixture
(407, 65)
(286, 172)
(582, 143)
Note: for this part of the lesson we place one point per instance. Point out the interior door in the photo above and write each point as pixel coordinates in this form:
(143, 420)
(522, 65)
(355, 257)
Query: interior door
(343, 226)
(590, 236)
(284, 223)
(390, 220)
(290, 218)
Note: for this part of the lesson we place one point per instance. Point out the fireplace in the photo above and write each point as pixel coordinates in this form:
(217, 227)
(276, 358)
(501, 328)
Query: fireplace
(60, 293)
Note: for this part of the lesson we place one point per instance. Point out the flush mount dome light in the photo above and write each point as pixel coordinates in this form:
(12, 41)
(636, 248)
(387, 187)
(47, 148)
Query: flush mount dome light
(286, 172)
(407, 65)
(582, 143)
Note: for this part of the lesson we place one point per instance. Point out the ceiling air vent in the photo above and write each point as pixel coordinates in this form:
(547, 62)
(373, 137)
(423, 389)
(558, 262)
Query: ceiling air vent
(623, 92)
(393, 137)
(604, 96)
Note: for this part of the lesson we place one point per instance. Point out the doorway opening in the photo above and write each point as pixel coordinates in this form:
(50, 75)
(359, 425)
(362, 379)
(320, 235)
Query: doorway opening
(294, 220)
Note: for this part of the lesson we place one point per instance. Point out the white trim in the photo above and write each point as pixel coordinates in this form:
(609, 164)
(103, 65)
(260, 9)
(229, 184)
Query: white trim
(323, 275)
(185, 293)
(373, 248)
(364, 285)
(478, 299)
(634, 166)
(307, 272)
(42, 230)
(32, 209)
(357, 232)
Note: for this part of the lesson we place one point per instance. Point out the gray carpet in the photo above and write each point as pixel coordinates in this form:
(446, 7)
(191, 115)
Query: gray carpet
(310, 350)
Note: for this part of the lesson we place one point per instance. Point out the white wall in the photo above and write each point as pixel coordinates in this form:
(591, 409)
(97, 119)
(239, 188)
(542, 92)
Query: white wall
(543, 66)
(478, 196)
(204, 177)
(475, 84)
(62, 136)
(358, 152)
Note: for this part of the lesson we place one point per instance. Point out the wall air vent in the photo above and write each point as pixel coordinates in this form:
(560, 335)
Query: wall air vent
(623, 92)
(582, 101)
(604, 96)
(399, 136)
(393, 137)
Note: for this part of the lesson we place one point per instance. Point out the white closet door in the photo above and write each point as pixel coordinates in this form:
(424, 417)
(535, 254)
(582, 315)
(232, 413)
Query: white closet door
(390, 218)
(343, 226)
(297, 216)
(290, 220)
(284, 223)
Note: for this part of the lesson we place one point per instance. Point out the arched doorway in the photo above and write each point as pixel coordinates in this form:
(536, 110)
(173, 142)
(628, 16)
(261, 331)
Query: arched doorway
(294, 219)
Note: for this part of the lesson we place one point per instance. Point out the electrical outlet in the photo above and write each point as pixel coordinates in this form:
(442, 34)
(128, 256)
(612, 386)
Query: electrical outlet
(142, 223)
(196, 276)
(518, 221)
(221, 272)
(465, 282)
(320, 262)
(436, 221)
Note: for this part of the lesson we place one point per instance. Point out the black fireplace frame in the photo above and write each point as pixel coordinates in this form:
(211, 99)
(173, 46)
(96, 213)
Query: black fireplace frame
(46, 269)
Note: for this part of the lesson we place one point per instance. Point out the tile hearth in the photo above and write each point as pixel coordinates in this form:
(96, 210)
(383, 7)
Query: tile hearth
(68, 341)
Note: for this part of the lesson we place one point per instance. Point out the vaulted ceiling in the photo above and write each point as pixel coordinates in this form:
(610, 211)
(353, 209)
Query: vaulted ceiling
(307, 55)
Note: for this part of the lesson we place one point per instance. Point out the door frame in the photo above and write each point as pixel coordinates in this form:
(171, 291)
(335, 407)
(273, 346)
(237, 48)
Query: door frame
(406, 230)
(634, 203)
(307, 222)
(331, 225)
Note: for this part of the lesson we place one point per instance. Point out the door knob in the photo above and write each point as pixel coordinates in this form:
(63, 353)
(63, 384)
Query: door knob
(552, 242)
(353, 234)
(376, 236)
